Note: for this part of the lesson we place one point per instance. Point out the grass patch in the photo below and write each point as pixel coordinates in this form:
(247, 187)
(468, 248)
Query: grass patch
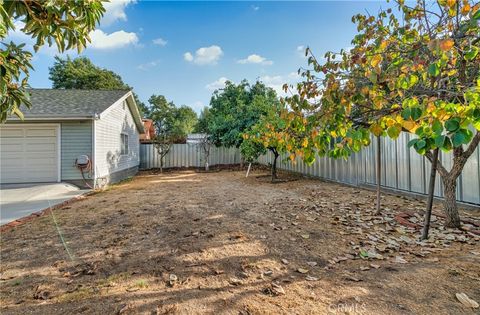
(142, 284)
(114, 279)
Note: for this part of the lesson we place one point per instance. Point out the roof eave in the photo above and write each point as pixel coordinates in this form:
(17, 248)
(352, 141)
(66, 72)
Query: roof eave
(50, 118)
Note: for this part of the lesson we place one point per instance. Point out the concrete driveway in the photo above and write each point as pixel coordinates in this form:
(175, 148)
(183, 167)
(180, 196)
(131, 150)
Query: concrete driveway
(20, 200)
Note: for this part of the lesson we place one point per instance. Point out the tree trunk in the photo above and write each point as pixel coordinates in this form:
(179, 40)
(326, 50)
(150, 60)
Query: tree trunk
(431, 190)
(379, 175)
(274, 165)
(450, 201)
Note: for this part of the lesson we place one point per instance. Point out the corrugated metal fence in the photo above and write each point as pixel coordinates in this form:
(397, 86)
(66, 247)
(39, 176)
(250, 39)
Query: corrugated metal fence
(402, 169)
(186, 155)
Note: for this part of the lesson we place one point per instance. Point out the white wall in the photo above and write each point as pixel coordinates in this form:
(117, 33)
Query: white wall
(113, 122)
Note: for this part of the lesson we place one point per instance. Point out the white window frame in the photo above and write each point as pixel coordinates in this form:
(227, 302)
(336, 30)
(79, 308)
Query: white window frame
(124, 148)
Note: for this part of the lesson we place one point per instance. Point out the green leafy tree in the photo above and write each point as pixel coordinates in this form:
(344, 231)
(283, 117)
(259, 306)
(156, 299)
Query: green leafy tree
(185, 120)
(80, 73)
(235, 109)
(172, 124)
(65, 23)
(420, 75)
(203, 119)
(275, 131)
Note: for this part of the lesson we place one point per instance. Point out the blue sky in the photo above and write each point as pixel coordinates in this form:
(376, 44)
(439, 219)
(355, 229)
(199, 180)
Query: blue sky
(184, 50)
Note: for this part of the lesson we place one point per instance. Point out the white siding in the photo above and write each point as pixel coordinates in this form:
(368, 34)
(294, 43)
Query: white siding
(76, 141)
(112, 123)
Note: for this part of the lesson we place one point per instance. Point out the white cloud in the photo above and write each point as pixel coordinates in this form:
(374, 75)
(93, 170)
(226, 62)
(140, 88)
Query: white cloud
(102, 40)
(218, 84)
(115, 10)
(149, 65)
(255, 7)
(205, 55)
(188, 56)
(256, 59)
(276, 82)
(160, 41)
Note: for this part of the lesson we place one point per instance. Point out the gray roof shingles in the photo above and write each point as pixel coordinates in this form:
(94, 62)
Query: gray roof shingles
(52, 103)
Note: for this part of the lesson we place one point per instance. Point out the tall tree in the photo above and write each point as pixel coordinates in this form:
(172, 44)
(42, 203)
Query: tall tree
(49, 22)
(420, 75)
(185, 120)
(172, 124)
(235, 109)
(203, 119)
(81, 73)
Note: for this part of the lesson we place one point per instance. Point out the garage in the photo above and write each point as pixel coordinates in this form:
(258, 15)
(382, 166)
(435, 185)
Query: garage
(29, 153)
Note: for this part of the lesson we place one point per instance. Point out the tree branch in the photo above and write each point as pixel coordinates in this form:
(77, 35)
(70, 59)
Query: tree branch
(440, 168)
(472, 146)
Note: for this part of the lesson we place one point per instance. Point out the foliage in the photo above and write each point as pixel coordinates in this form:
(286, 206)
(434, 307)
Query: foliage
(203, 119)
(65, 23)
(235, 109)
(279, 131)
(172, 123)
(415, 70)
(185, 120)
(81, 73)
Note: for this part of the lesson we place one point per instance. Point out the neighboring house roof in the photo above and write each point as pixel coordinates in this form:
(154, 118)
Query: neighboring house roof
(149, 130)
(76, 104)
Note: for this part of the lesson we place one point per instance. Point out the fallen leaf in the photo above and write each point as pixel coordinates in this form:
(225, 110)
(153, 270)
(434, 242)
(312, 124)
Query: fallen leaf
(400, 260)
(310, 278)
(312, 263)
(285, 262)
(375, 266)
(465, 300)
(235, 281)
(305, 236)
(277, 289)
(302, 270)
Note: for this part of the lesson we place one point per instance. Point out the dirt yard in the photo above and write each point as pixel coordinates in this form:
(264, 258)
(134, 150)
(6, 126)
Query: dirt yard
(219, 243)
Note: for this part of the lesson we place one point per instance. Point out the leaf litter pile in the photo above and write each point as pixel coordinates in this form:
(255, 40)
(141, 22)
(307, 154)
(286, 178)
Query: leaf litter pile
(219, 243)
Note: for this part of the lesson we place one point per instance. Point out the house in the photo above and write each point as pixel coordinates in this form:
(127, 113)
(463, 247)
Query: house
(84, 137)
(149, 128)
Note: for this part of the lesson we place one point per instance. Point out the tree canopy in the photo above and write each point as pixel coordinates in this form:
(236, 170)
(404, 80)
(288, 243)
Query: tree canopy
(66, 24)
(235, 109)
(414, 70)
(172, 123)
(81, 73)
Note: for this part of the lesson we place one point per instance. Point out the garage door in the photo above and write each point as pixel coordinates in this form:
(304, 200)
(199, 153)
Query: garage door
(29, 153)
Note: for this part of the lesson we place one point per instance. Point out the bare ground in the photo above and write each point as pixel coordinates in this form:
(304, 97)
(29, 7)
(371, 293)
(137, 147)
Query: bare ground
(219, 243)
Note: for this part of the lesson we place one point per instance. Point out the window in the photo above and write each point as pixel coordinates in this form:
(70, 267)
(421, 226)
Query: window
(124, 143)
